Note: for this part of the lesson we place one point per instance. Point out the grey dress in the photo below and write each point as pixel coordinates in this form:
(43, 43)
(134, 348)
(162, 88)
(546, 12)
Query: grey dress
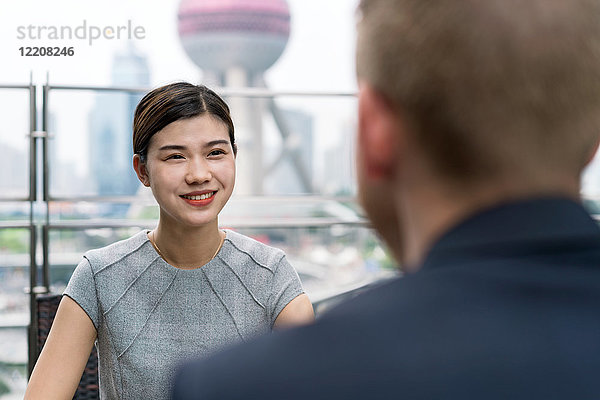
(149, 315)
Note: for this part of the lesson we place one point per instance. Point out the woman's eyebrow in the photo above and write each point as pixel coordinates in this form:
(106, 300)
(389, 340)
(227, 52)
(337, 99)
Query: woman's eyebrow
(181, 147)
(172, 147)
(216, 142)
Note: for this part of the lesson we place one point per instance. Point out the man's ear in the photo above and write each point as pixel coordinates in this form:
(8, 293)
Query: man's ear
(140, 169)
(593, 153)
(378, 133)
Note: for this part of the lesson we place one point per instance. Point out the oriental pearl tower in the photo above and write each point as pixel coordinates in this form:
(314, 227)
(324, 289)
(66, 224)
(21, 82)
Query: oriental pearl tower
(234, 42)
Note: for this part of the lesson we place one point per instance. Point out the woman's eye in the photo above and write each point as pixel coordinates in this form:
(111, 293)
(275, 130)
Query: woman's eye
(174, 157)
(216, 152)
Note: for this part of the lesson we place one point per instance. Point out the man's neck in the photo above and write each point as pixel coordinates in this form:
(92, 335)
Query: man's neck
(428, 211)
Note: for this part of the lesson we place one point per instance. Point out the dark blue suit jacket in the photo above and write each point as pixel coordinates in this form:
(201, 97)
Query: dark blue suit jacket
(505, 306)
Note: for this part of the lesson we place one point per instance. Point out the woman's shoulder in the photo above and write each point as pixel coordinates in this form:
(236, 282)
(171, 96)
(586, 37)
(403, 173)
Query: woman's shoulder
(244, 246)
(116, 251)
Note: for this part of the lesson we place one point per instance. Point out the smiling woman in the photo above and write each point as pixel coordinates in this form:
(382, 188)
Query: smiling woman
(184, 288)
(190, 162)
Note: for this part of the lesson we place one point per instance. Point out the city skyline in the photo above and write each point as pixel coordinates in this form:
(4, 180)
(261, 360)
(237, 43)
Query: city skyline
(318, 57)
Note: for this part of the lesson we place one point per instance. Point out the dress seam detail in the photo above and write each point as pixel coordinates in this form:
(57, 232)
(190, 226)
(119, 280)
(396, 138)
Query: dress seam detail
(254, 259)
(118, 260)
(222, 302)
(149, 315)
(130, 285)
(246, 287)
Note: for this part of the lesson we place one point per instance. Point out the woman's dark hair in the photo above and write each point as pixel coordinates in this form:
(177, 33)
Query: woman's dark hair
(173, 102)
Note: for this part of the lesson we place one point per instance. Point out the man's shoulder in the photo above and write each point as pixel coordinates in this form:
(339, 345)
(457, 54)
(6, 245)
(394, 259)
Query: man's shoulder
(411, 335)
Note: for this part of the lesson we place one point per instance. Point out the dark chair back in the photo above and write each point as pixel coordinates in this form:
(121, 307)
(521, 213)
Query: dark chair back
(46, 310)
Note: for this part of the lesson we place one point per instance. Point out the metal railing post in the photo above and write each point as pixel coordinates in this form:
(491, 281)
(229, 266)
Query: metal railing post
(33, 326)
(46, 191)
(33, 269)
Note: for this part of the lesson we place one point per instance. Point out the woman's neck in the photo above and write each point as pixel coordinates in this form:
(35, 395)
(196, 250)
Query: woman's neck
(187, 247)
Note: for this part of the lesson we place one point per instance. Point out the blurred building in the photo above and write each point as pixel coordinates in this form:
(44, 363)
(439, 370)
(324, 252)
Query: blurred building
(15, 176)
(110, 121)
(281, 176)
(339, 169)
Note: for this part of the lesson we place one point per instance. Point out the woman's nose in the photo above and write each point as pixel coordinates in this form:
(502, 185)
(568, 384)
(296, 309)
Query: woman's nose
(198, 171)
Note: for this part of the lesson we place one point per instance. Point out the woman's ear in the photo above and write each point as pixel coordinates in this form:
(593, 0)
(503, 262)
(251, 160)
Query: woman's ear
(140, 169)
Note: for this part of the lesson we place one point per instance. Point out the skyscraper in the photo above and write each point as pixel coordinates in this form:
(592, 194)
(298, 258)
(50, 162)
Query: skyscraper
(110, 152)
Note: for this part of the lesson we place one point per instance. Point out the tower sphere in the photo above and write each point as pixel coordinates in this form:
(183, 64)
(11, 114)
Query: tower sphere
(220, 34)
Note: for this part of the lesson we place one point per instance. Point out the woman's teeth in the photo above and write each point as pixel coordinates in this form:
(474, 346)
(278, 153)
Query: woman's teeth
(199, 197)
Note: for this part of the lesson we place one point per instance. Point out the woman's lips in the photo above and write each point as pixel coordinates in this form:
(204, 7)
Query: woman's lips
(200, 199)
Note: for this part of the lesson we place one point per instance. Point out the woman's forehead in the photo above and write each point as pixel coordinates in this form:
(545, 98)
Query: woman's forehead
(200, 129)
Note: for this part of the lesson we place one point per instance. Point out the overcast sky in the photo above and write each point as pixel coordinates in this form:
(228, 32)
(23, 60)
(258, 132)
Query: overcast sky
(319, 54)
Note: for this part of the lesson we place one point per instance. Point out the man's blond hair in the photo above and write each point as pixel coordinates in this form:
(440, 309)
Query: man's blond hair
(491, 87)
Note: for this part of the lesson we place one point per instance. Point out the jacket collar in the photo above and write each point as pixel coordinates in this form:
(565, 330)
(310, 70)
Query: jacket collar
(515, 227)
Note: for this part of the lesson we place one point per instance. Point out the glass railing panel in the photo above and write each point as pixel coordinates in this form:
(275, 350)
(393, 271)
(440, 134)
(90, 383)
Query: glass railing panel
(90, 151)
(14, 143)
(295, 144)
(68, 245)
(288, 143)
(14, 212)
(14, 309)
